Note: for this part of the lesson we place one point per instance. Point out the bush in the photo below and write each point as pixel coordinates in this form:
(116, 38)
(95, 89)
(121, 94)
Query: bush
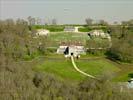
(121, 50)
(86, 29)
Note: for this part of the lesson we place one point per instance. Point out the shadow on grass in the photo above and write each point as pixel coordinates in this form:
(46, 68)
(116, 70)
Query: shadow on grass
(130, 75)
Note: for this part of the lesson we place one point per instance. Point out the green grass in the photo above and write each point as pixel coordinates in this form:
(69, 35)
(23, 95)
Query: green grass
(51, 28)
(97, 66)
(90, 28)
(63, 68)
(56, 38)
(85, 29)
(122, 78)
(125, 74)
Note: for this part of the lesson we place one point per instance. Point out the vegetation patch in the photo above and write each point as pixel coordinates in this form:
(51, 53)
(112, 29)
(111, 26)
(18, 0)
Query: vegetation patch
(97, 66)
(51, 28)
(64, 69)
(57, 38)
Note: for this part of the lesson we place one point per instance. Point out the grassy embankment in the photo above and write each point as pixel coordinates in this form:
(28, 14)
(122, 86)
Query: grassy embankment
(62, 68)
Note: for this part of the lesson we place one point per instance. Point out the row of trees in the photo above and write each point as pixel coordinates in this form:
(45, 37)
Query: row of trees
(17, 39)
(90, 22)
(102, 22)
(122, 41)
(39, 21)
(122, 44)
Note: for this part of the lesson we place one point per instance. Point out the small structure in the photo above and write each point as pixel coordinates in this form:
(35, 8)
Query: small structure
(42, 32)
(76, 29)
(70, 49)
(99, 33)
(70, 29)
(130, 83)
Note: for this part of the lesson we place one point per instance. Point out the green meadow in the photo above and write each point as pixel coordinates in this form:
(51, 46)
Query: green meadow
(63, 68)
(56, 38)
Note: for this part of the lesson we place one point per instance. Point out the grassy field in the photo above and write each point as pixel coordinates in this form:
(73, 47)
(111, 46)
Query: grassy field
(51, 28)
(62, 68)
(125, 73)
(60, 28)
(97, 66)
(56, 38)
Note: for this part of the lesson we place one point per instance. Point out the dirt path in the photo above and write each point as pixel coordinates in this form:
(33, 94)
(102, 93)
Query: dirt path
(74, 65)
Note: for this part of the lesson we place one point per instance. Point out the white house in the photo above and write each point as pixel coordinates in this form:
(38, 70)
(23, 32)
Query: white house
(42, 32)
(76, 29)
(71, 50)
(69, 29)
(130, 83)
(99, 33)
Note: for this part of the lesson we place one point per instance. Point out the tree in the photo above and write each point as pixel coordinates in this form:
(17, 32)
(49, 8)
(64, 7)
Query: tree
(115, 23)
(88, 21)
(38, 21)
(22, 27)
(54, 22)
(103, 22)
(31, 20)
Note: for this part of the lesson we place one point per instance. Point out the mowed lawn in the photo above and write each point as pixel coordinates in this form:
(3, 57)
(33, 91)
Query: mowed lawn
(125, 74)
(67, 37)
(63, 68)
(97, 66)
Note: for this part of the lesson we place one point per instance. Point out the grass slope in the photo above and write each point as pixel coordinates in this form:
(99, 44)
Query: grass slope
(63, 68)
(97, 67)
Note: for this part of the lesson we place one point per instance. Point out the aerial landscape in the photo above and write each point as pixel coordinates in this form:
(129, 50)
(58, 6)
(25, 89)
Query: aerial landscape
(66, 50)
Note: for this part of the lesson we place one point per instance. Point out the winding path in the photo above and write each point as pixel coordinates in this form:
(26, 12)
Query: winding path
(74, 65)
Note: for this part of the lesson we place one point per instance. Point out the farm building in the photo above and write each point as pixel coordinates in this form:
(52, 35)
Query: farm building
(130, 83)
(71, 29)
(72, 49)
(42, 32)
(99, 33)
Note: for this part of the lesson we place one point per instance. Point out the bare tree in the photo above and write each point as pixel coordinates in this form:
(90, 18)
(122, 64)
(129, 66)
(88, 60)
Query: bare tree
(38, 21)
(22, 27)
(88, 21)
(54, 21)
(103, 22)
(115, 23)
(31, 20)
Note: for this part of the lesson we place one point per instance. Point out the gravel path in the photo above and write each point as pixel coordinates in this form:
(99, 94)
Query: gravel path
(74, 65)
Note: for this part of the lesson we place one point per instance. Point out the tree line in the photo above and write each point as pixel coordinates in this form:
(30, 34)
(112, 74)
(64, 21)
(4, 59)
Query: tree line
(16, 40)
(122, 43)
(122, 40)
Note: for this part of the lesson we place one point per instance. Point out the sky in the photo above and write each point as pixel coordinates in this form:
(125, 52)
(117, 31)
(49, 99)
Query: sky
(68, 11)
